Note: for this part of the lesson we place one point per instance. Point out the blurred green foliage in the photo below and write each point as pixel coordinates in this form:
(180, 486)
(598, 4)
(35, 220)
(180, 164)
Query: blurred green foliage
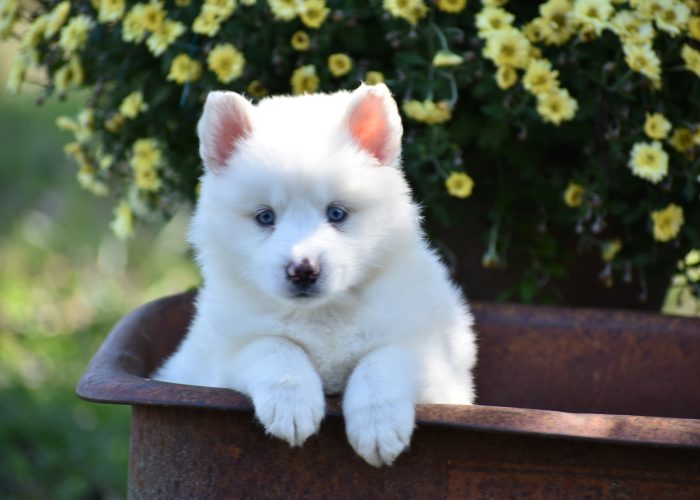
(64, 283)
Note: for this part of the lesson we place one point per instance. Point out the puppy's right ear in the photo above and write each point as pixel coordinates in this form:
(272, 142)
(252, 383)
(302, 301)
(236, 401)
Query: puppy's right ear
(225, 122)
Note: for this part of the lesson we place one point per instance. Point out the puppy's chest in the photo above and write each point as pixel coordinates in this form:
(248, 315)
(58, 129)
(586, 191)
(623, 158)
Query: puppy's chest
(334, 350)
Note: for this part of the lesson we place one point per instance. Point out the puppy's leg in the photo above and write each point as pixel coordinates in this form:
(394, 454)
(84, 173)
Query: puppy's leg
(379, 404)
(287, 392)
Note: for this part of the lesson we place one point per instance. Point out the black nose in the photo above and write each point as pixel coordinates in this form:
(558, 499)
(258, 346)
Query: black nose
(303, 274)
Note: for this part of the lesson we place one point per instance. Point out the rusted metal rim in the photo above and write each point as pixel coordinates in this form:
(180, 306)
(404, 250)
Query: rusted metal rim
(118, 374)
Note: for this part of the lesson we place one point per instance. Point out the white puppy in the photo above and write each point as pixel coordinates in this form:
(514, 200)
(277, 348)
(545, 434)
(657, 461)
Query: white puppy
(317, 276)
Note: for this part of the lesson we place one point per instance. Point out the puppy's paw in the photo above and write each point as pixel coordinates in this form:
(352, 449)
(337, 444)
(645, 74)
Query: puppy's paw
(379, 432)
(290, 408)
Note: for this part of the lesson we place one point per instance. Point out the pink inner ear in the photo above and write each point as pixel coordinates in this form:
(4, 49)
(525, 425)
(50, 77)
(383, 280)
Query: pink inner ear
(369, 126)
(232, 126)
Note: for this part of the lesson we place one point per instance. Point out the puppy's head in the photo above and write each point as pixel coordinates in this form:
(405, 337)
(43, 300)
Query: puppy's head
(302, 197)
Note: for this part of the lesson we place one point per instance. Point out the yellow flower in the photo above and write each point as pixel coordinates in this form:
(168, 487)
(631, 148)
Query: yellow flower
(132, 105)
(556, 107)
(300, 41)
(35, 33)
(557, 21)
(592, 15)
(649, 161)
(111, 11)
(161, 39)
(145, 154)
(672, 17)
(646, 8)
(75, 34)
(539, 77)
(339, 64)
(69, 75)
(123, 223)
(444, 58)
(657, 126)
(573, 196)
(86, 125)
(256, 89)
(691, 58)
(57, 18)
(18, 72)
(682, 140)
(610, 249)
(305, 80)
(506, 77)
(451, 6)
(643, 59)
(374, 77)
(632, 28)
(413, 109)
(694, 27)
(492, 19)
(208, 22)
(459, 185)
(133, 27)
(67, 124)
(76, 151)
(409, 10)
(692, 258)
(115, 122)
(147, 179)
(667, 222)
(508, 47)
(313, 13)
(427, 111)
(184, 69)
(87, 179)
(224, 8)
(86, 118)
(226, 62)
(9, 13)
(284, 10)
(534, 30)
(105, 161)
(153, 16)
(690, 265)
(86, 173)
(437, 112)
(73, 149)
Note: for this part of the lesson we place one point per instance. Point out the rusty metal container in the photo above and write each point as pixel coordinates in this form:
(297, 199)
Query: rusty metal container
(572, 404)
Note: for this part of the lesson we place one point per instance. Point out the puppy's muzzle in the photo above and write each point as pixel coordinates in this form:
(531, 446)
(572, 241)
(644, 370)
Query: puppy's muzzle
(303, 274)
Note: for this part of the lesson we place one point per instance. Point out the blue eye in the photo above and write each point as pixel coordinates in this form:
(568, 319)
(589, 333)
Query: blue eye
(265, 217)
(336, 213)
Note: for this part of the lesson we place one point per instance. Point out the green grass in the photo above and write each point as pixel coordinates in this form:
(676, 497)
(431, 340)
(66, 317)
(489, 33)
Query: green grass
(64, 281)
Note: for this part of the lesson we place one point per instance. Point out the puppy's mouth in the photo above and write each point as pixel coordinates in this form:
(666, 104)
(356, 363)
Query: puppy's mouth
(304, 293)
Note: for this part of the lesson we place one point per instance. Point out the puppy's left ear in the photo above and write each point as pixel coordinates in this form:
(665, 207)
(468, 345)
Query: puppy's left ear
(374, 123)
(226, 120)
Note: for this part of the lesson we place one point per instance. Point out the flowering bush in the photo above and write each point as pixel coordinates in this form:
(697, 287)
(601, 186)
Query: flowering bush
(541, 119)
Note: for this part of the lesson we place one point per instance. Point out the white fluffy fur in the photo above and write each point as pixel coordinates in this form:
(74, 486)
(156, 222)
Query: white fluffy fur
(387, 328)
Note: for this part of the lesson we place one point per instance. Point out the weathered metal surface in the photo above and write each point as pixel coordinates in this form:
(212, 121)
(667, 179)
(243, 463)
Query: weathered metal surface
(572, 403)
(203, 453)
